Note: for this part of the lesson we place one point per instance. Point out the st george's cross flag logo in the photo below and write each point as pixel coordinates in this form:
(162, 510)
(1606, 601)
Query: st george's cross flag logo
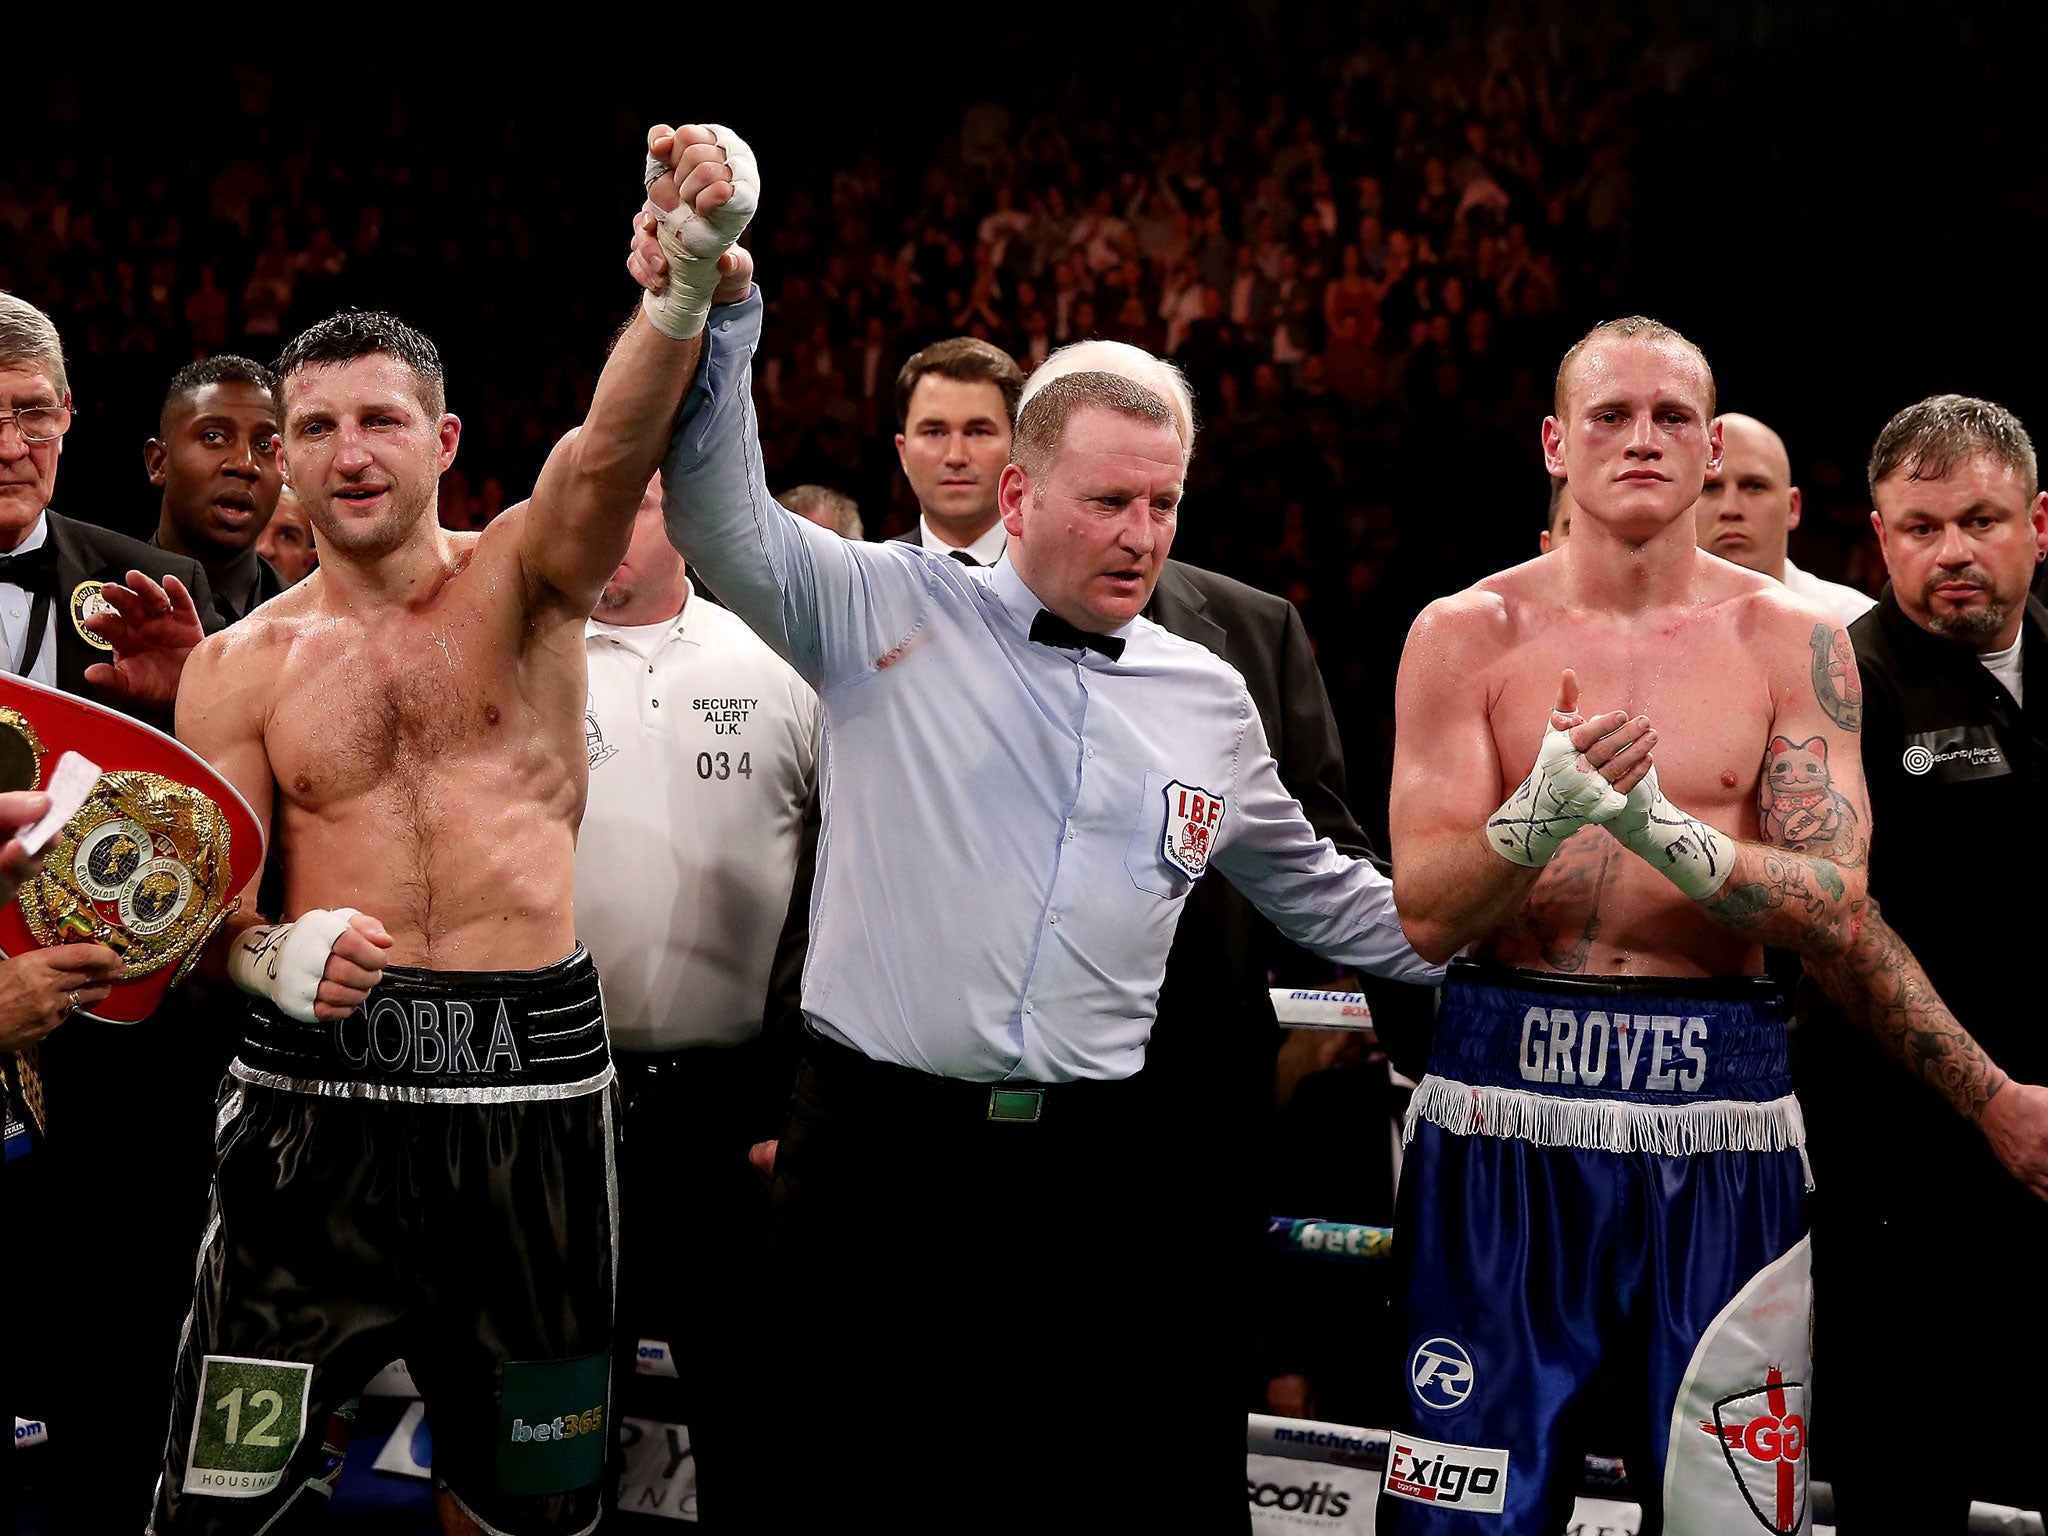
(1763, 1435)
(1193, 819)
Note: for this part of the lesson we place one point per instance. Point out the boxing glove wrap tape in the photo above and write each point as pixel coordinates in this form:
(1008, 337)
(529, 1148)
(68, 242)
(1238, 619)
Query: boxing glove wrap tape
(692, 243)
(285, 961)
(1690, 854)
(1557, 799)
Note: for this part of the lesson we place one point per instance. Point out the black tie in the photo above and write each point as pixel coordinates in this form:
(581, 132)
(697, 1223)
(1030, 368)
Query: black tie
(34, 572)
(1050, 629)
(965, 559)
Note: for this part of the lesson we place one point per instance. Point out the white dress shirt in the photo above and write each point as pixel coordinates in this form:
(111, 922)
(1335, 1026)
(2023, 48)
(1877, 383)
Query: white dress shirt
(17, 606)
(997, 877)
(1846, 603)
(703, 750)
(986, 550)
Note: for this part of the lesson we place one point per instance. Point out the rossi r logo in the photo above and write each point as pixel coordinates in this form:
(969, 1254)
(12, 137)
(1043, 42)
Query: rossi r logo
(1469, 1477)
(1440, 1373)
(1763, 1435)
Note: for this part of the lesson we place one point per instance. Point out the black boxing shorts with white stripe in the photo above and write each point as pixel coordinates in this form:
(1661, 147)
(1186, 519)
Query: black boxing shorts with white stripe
(431, 1180)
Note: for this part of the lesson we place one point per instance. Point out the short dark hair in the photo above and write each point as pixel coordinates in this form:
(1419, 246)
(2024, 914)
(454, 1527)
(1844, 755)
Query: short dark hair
(1930, 439)
(1631, 328)
(966, 358)
(358, 333)
(224, 369)
(1043, 421)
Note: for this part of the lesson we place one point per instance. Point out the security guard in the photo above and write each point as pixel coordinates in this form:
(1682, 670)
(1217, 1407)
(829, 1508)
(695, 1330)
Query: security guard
(1955, 755)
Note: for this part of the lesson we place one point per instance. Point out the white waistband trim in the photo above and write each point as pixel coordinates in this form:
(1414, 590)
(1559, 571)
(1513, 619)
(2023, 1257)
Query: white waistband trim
(1610, 1125)
(402, 1093)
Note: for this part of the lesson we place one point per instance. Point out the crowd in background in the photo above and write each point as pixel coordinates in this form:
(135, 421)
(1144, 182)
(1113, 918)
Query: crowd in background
(1368, 278)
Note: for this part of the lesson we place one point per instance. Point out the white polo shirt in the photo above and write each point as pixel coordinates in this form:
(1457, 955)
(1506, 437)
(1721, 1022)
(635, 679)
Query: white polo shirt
(703, 754)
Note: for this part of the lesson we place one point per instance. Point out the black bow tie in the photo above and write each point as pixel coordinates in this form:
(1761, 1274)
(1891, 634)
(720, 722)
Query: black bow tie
(33, 572)
(1050, 629)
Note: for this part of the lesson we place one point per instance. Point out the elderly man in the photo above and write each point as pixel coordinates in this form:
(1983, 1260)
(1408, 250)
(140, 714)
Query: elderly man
(287, 542)
(80, 610)
(1748, 508)
(1953, 742)
(1025, 779)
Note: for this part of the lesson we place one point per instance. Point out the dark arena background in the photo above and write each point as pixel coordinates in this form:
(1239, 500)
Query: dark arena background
(1366, 231)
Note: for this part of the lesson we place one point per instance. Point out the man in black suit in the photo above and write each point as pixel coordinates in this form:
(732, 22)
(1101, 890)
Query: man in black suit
(146, 610)
(215, 460)
(955, 401)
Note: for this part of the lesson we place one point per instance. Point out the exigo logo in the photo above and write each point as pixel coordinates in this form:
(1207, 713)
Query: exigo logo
(588, 1422)
(1316, 1499)
(1472, 1477)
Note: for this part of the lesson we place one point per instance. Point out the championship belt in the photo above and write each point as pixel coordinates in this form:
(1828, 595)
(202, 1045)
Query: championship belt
(153, 862)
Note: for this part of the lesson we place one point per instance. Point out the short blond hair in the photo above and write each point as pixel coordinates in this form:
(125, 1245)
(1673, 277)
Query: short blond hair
(1630, 328)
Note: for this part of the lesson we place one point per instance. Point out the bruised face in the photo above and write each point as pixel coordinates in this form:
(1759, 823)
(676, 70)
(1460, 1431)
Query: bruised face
(362, 452)
(1961, 550)
(1089, 533)
(216, 464)
(1635, 440)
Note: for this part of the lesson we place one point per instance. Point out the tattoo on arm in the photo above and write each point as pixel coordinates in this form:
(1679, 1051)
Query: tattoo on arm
(1799, 807)
(1834, 676)
(1878, 983)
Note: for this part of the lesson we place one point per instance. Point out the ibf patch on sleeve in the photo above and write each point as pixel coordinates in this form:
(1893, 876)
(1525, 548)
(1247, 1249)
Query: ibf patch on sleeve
(1194, 817)
(247, 1425)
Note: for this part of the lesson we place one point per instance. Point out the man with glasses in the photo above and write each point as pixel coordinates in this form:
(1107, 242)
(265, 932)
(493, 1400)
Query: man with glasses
(57, 629)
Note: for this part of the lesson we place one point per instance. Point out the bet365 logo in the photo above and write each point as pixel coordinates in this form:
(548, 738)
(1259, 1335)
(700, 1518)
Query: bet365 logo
(551, 1424)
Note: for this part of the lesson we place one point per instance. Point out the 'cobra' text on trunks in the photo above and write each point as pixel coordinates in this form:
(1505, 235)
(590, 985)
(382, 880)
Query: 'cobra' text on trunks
(427, 1035)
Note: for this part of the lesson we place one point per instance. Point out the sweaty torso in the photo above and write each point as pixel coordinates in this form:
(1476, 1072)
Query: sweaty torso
(1704, 673)
(430, 767)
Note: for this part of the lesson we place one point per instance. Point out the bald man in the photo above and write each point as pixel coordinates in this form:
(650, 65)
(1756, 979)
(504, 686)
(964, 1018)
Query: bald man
(1749, 508)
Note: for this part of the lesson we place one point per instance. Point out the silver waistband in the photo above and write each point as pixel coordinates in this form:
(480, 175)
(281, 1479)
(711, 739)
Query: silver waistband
(404, 1093)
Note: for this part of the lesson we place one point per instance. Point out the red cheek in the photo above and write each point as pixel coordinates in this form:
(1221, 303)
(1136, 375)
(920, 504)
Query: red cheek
(1727, 778)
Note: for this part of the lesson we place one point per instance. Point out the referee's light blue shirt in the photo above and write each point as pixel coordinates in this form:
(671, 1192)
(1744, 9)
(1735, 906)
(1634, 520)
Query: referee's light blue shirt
(994, 899)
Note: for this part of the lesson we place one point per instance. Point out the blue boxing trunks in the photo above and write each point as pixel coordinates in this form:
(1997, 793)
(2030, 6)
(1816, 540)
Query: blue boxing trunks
(430, 1178)
(1605, 1176)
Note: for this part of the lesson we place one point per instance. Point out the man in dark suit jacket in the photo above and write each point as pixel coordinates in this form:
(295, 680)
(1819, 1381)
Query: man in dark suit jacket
(955, 400)
(215, 460)
(61, 628)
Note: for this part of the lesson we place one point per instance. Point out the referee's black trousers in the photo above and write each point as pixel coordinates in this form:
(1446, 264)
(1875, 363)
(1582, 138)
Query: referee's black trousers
(987, 1316)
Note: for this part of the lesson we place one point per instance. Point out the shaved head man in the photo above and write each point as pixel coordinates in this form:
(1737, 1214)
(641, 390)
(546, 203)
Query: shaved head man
(1749, 507)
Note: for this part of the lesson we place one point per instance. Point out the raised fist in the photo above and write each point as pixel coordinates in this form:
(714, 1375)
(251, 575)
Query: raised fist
(703, 186)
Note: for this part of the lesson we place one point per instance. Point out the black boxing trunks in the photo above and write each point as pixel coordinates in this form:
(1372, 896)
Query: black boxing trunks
(430, 1179)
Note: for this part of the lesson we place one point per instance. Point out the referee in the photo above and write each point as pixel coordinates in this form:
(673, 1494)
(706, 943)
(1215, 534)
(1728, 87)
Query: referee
(1023, 780)
(702, 762)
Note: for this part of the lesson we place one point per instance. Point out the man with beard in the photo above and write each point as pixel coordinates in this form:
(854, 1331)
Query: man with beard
(1954, 753)
(415, 1144)
(215, 460)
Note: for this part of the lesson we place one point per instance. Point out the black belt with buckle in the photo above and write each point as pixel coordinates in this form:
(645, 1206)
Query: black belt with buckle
(956, 1099)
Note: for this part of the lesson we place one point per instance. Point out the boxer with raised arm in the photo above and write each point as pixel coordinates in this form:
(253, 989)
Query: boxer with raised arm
(1620, 770)
(415, 1146)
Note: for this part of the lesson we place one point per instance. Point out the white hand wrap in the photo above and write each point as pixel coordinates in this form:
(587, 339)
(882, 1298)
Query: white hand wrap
(284, 962)
(1690, 854)
(1557, 799)
(692, 242)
